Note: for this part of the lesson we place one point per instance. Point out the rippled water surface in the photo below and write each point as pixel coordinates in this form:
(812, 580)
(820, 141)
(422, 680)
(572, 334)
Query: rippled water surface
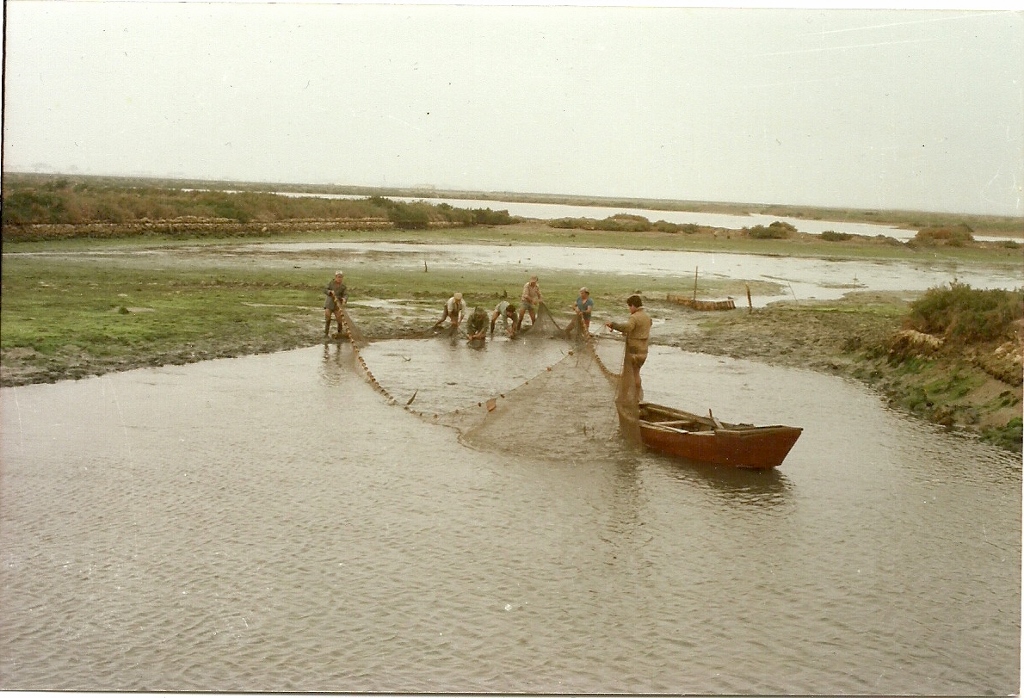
(273, 523)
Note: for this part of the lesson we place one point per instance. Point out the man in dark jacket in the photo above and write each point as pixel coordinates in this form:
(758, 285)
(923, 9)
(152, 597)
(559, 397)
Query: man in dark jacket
(476, 327)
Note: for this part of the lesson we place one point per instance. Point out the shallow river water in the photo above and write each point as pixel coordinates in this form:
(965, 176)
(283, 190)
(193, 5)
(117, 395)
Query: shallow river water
(272, 523)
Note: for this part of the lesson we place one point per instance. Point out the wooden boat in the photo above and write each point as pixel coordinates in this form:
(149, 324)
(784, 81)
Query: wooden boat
(728, 304)
(707, 440)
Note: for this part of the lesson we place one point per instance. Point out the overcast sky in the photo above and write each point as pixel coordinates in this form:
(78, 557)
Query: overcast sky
(911, 109)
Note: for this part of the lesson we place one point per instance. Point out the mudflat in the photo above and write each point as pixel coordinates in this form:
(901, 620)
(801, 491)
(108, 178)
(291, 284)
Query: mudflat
(75, 308)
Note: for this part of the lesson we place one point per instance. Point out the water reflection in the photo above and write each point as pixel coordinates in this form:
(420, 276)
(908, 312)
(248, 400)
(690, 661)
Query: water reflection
(338, 363)
(759, 488)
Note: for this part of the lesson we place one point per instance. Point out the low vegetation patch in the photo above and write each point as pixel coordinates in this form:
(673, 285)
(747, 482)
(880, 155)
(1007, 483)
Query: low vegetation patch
(962, 315)
(775, 231)
(623, 223)
(833, 236)
(950, 236)
(955, 340)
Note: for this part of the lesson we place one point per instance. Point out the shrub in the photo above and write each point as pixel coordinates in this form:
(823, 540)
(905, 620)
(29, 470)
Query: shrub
(833, 236)
(413, 216)
(225, 206)
(630, 218)
(776, 231)
(1008, 436)
(574, 223)
(956, 236)
(663, 226)
(32, 206)
(485, 216)
(965, 315)
(624, 222)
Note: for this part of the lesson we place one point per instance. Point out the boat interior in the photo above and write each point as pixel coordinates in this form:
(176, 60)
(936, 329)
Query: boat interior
(678, 424)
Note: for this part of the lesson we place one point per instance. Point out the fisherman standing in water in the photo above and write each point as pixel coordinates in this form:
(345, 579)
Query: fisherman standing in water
(337, 296)
(638, 331)
(530, 302)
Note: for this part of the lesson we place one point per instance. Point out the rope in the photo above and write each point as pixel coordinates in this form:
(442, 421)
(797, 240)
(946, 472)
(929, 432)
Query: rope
(357, 339)
(610, 375)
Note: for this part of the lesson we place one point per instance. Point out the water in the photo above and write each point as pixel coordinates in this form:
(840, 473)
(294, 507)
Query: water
(271, 523)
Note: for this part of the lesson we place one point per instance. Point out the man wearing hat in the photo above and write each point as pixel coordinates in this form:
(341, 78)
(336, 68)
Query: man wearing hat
(337, 296)
(529, 302)
(583, 307)
(454, 310)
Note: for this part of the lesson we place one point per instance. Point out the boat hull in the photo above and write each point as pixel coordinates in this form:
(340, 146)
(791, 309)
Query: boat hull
(705, 440)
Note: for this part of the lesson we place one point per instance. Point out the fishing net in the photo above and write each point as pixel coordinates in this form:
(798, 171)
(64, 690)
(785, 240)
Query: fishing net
(350, 330)
(544, 326)
(575, 331)
(572, 410)
(627, 402)
(564, 413)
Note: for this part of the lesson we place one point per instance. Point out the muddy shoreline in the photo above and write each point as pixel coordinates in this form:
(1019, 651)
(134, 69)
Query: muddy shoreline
(812, 335)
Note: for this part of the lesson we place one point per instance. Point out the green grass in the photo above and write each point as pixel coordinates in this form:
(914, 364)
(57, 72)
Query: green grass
(952, 386)
(111, 308)
(1008, 436)
(48, 306)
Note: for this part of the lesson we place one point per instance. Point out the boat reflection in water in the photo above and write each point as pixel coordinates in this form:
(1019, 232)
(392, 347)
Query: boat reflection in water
(766, 488)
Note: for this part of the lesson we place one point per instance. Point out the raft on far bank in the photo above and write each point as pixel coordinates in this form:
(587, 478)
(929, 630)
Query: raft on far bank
(695, 304)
